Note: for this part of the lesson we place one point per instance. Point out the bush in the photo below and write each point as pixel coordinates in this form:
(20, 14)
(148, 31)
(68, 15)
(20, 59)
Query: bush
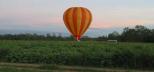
(101, 54)
(3, 53)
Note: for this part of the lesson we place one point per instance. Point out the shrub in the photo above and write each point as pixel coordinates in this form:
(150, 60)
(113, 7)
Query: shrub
(102, 54)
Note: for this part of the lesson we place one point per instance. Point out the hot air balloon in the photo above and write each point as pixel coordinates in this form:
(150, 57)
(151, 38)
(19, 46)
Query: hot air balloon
(77, 20)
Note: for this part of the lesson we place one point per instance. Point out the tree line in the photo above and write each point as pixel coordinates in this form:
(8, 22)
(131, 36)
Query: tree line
(137, 34)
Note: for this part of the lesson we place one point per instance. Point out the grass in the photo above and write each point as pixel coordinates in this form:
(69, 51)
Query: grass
(18, 67)
(84, 53)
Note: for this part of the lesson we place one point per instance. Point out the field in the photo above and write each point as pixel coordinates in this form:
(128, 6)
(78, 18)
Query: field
(19, 67)
(71, 53)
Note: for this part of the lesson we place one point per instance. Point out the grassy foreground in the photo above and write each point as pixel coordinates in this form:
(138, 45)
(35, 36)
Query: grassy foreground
(84, 53)
(18, 67)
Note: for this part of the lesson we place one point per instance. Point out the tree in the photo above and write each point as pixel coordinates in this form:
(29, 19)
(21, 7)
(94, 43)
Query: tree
(114, 36)
(138, 34)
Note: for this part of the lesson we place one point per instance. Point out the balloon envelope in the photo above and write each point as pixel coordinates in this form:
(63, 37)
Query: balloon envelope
(77, 20)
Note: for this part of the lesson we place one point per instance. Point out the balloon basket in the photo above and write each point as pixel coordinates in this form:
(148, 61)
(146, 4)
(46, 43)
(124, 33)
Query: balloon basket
(77, 38)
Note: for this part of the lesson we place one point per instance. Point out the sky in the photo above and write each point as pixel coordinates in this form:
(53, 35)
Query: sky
(46, 16)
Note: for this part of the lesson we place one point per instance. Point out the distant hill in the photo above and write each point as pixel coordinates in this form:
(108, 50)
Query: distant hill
(92, 32)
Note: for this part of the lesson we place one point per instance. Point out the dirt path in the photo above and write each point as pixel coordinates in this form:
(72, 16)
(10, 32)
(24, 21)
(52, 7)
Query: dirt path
(62, 68)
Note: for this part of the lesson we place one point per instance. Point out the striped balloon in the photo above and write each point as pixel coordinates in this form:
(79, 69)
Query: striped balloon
(77, 21)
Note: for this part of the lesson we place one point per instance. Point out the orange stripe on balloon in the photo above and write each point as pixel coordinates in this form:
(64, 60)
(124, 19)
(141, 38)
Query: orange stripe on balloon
(75, 21)
(83, 20)
(70, 19)
(89, 20)
(66, 20)
(79, 19)
(86, 21)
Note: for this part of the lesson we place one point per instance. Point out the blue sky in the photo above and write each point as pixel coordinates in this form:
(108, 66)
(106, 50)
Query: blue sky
(46, 15)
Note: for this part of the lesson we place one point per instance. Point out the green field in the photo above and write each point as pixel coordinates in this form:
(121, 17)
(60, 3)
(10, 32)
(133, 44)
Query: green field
(84, 53)
(19, 67)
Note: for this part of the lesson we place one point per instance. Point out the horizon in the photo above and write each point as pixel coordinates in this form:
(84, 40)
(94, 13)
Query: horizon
(46, 15)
